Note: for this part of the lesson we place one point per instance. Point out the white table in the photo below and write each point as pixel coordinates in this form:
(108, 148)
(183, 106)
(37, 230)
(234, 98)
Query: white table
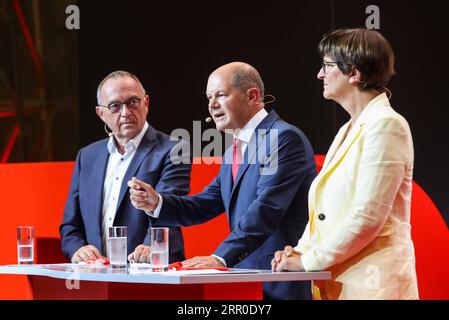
(71, 281)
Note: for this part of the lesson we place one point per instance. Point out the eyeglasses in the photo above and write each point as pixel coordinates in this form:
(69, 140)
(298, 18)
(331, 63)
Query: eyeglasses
(326, 64)
(116, 106)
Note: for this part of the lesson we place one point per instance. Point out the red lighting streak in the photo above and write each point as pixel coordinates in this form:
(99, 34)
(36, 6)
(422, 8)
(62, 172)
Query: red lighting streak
(11, 142)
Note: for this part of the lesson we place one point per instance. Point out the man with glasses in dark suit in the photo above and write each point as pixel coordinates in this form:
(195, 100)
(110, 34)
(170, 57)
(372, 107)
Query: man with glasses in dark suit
(99, 195)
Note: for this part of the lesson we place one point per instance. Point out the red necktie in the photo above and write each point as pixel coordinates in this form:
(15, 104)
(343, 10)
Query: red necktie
(236, 157)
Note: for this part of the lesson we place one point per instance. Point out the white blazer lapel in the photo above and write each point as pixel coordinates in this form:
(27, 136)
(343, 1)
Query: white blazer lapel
(372, 107)
(329, 156)
(335, 144)
(344, 147)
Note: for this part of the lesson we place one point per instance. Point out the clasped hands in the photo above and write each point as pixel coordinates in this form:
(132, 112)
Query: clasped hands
(287, 260)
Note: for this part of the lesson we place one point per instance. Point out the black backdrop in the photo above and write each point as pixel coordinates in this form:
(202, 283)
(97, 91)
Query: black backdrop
(172, 47)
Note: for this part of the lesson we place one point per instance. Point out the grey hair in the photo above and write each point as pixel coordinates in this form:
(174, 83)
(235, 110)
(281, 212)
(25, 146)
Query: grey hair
(115, 75)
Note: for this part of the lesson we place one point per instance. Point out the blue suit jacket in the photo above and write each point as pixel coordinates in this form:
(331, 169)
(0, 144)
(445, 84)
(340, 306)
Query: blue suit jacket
(265, 211)
(81, 223)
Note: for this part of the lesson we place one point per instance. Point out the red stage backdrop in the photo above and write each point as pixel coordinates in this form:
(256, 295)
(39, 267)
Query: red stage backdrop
(35, 194)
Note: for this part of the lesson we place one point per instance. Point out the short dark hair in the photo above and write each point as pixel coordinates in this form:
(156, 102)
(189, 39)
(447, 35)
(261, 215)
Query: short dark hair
(246, 77)
(366, 50)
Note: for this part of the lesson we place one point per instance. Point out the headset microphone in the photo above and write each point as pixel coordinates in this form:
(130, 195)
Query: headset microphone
(106, 130)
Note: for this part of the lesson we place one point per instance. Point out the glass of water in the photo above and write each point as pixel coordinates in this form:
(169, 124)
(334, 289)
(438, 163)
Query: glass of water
(25, 245)
(159, 248)
(117, 247)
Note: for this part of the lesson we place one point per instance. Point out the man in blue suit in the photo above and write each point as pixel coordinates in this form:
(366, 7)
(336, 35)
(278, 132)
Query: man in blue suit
(99, 195)
(265, 197)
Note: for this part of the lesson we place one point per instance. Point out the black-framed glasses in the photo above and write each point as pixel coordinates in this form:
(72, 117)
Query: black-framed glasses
(326, 64)
(116, 106)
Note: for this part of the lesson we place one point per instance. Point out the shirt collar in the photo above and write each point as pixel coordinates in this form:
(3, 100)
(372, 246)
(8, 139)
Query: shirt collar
(247, 131)
(131, 145)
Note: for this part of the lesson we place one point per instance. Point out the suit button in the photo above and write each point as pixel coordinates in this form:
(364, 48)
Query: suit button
(321, 216)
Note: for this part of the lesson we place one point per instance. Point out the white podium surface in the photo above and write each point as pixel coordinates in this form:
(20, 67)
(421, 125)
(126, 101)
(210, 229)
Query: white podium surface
(131, 275)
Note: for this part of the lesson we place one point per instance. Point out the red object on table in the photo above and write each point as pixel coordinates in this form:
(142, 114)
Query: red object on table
(178, 267)
(102, 260)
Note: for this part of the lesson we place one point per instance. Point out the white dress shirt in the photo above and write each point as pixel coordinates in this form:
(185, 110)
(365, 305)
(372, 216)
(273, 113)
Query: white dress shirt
(116, 168)
(245, 134)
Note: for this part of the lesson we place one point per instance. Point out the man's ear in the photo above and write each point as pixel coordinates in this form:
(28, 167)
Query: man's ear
(355, 76)
(146, 100)
(253, 95)
(99, 111)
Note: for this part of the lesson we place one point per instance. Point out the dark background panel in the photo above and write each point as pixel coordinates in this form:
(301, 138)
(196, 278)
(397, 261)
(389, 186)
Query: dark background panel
(173, 51)
(418, 33)
(173, 47)
(38, 110)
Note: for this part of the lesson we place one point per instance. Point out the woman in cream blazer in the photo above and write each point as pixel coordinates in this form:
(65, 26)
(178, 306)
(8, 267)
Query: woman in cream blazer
(359, 204)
